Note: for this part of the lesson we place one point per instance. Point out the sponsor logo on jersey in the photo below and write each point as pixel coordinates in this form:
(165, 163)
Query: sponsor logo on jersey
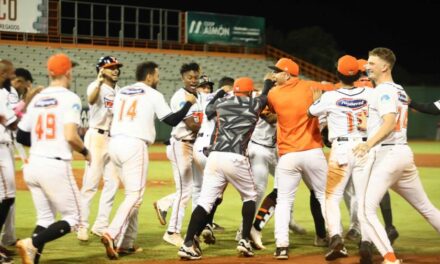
(108, 102)
(46, 102)
(352, 103)
(132, 91)
(76, 107)
(13, 98)
(385, 97)
(403, 98)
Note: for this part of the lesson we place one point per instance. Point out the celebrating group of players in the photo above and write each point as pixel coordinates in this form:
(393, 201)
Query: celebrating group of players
(234, 135)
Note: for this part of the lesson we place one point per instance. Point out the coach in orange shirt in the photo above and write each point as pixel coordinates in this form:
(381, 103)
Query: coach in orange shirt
(299, 144)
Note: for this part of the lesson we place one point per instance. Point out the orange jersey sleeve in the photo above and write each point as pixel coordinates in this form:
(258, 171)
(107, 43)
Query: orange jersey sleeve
(295, 130)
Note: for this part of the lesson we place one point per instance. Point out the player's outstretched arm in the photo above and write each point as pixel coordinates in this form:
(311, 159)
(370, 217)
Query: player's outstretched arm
(177, 117)
(427, 108)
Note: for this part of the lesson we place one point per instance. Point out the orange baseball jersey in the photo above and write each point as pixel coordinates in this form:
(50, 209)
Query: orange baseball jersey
(295, 130)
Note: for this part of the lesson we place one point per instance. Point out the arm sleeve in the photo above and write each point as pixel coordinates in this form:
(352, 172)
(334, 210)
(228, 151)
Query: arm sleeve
(387, 100)
(427, 108)
(73, 111)
(210, 107)
(268, 84)
(24, 137)
(320, 106)
(177, 117)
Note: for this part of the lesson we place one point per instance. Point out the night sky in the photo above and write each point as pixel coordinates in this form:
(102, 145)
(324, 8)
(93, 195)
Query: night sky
(357, 27)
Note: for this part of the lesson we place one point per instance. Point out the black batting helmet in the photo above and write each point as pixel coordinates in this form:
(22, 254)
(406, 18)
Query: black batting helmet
(107, 61)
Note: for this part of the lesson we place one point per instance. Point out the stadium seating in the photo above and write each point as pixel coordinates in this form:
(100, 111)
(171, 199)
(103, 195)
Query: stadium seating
(216, 66)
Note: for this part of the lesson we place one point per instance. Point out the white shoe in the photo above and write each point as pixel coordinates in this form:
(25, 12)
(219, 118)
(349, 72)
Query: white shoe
(27, 250)
(297, 229)
(398, 261)
(174, 239)
(82, 234)
(96, 232)
(256, 239)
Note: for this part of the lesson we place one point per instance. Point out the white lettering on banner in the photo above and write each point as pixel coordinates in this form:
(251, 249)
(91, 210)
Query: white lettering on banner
(209, 28)
(219, 31)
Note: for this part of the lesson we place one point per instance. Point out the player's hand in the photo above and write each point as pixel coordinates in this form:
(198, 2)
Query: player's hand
(227, 88)
(316, 93)
(269, 76)
(362, 121)
(100, 77)
(88, 158)
(190, 98)
(361, 150)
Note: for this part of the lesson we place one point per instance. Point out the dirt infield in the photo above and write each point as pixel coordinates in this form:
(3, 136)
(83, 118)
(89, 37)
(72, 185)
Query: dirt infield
(307, 259)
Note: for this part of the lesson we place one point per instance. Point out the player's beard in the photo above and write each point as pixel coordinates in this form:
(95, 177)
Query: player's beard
(154, 85)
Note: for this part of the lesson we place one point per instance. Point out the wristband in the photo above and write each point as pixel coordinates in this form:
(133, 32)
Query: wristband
(84, 151)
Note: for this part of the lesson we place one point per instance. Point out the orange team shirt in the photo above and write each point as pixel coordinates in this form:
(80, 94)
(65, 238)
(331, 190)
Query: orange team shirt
(295, 130)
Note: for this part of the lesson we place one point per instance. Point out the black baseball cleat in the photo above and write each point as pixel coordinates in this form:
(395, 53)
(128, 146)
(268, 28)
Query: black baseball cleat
(392, 233)
(281, 253)
(337, 249)
(366, 252)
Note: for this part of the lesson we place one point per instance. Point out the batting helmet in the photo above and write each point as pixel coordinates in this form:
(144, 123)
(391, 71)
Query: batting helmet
(107, 61)
(243, 84)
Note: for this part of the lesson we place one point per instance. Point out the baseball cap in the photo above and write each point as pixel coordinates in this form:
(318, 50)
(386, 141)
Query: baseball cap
(204, 79)
(243, 84)
(348, 65)
(21, 72)
(361, 65)
(107, 61)
(59, 64)
(287, 65)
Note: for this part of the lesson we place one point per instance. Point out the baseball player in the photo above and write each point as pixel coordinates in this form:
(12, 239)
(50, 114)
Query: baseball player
(180, 150)
(390, 162)
(349, 194)
(8, 98)
(100, 95)
(299, 145)
(201, 145)
(19, 85)
(133, 130)
(228, 162)
(342, 108)
(50, 127)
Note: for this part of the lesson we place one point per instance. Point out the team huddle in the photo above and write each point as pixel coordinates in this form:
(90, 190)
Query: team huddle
(238, 134)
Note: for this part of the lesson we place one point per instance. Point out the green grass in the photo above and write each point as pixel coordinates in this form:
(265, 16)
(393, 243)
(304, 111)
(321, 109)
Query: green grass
(416, 235)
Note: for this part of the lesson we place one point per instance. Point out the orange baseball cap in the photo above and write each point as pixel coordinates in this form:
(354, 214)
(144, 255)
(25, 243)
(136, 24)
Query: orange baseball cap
(59, 64)
(348, 65)
(286, 65)
(361, 65)
(243, 84)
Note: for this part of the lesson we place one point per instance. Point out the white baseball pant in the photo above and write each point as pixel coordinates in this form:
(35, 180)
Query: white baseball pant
(224, 167)
(130, 156)
(343, 165)
(310, 165)
(263, 161)
(392, 166)
(100, 167)
(40, 175)
(181, 157)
